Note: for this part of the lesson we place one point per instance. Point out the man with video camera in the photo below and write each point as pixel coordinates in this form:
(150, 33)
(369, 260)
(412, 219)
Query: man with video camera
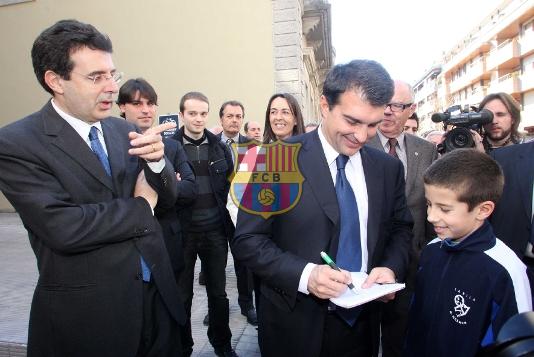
(499, 117)
(494, 125)
(503, 130)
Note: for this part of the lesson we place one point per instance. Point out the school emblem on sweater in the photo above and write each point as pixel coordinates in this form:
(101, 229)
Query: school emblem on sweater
(460, 308)
(266, 179)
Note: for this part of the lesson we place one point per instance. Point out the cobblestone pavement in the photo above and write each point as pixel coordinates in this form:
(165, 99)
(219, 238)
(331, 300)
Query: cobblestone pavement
(18, 276)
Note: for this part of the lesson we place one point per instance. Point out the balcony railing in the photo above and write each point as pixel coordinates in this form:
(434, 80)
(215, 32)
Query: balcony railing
(509, 83)
(505, 52)
(527, 81)
(476, 96)
(526, 42)
(476, 69)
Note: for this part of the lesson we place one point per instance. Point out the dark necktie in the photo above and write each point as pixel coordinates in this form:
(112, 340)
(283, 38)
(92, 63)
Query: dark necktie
(393, 147)
(98, 149)
(229, 143)
(349, 251)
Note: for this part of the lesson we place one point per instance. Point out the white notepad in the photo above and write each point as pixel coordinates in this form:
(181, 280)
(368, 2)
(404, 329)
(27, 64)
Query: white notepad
(360, 296)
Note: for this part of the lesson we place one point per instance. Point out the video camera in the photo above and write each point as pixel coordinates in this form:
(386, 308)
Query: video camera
(469, 118)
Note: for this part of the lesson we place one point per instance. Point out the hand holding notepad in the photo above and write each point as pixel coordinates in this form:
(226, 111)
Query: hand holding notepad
(358, 296)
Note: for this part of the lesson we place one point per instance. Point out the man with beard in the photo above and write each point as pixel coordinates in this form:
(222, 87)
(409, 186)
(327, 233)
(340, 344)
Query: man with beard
(503, 130)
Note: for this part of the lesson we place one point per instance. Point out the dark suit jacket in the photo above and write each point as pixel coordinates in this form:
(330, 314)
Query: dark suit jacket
(87, 233)
(240, 140)
(278, 249)
(511, 219)
(186, 192)
(420, 154)
(220, 168)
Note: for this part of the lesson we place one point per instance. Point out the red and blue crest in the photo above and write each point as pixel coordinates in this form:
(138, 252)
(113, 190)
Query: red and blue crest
(266, 179)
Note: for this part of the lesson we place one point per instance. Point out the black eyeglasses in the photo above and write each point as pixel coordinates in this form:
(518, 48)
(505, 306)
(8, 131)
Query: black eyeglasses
(398, 107)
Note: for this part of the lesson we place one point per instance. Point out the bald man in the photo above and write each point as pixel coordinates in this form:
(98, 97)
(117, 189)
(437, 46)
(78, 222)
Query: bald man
(253, 130)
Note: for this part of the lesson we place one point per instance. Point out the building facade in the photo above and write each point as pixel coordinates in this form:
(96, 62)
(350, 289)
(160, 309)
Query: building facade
(233, 49)
(496, 56)
(426, 97)
(303, 51)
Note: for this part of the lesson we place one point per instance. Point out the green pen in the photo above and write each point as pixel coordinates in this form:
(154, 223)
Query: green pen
(333, 265)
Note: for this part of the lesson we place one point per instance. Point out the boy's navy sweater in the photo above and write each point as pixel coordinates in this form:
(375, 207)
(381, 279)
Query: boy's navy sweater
(464, 294)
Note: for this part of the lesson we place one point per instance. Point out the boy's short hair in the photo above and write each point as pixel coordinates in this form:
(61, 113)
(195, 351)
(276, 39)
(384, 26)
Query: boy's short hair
(193, 95)
(473, 175)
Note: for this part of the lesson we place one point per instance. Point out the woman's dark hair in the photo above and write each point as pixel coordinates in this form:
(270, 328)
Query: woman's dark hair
(268, 134)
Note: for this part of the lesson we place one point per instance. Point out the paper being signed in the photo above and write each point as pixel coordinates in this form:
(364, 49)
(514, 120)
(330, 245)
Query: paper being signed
(360, 296)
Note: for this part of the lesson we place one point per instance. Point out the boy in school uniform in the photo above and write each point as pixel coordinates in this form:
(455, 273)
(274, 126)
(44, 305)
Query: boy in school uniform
(469, 283)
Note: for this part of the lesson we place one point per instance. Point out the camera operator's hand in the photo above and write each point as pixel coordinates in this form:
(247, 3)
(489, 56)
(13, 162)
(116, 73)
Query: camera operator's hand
(478, 141)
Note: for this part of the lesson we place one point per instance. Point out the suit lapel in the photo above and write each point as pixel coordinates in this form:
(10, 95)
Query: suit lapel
(69, 141)
(116, 154)
(412, 163)
(373, 181)
(314, 168)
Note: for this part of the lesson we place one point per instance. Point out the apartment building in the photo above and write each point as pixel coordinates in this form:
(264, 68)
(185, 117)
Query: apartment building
(496, 56)
(427, 90)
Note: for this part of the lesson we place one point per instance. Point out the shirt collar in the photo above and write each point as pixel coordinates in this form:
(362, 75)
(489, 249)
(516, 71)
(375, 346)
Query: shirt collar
(224, 138)
(384, 139)
(81, 127)
(330, 153)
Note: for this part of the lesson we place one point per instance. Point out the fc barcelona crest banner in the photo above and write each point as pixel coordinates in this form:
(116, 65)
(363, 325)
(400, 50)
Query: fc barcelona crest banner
(266, 179)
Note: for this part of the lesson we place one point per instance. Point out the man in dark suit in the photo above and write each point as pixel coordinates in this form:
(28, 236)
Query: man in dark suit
(295, 317)
(231, 115)
(512, 218)
(137, 102)
(416, 155)
(85, 186)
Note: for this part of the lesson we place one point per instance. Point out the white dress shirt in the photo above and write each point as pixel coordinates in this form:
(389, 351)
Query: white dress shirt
(83, 128)
(400, 148)
(356, 177)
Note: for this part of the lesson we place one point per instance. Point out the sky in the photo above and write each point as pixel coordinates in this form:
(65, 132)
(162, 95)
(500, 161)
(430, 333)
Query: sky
(406, 36)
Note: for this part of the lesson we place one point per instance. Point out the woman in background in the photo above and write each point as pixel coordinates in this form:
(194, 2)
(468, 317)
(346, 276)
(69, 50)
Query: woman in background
(283, 118)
